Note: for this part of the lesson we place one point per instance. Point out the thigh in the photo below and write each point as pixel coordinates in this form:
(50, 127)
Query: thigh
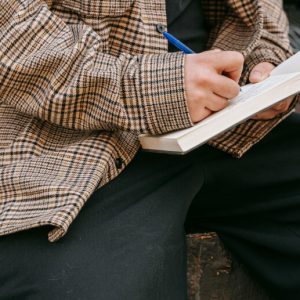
(127, 243)
(265, 179)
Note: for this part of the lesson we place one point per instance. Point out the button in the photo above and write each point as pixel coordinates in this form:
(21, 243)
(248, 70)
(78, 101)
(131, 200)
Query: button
(119, 163)
(160, 28)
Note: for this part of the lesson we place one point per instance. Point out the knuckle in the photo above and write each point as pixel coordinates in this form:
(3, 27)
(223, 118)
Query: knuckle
(204, 78)
(222, 104)
(237, 56)
(200, 114)
(234, 90)
(219, 104)
(200, 95)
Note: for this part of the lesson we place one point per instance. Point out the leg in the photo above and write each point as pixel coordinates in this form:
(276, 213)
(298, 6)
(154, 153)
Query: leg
(254, 205)
(127, 243)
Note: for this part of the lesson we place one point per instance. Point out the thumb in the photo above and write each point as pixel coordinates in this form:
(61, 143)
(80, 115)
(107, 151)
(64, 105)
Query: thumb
(260, 72)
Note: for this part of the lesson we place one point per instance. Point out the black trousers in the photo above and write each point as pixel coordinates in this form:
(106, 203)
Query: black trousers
(129, 240)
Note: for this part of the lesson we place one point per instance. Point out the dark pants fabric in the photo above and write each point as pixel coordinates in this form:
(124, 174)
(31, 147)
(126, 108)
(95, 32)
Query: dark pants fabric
(129, 240)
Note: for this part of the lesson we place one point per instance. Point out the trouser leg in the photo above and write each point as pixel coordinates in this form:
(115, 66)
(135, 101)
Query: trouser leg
(127, 243)
(254, 205)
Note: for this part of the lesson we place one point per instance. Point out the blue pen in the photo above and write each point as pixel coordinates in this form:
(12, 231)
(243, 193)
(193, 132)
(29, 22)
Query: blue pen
(175, 42)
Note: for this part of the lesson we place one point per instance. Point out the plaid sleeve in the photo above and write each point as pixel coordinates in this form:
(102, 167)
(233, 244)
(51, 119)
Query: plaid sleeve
(58, 72)
(273, 45)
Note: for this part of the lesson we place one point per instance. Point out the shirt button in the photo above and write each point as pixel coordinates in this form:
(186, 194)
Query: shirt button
(160, 28)
(119, 163)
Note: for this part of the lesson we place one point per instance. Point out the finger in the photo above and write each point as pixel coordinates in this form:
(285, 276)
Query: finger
(275, 110)
(266, 115)
(260, 72)
(216, 50)
(283, 105)
(230, 63)
(215, 103)
(225, 87)
(202, 114)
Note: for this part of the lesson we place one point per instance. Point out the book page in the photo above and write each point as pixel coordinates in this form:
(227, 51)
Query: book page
(247, 93)
(252, 90)
(291, 65)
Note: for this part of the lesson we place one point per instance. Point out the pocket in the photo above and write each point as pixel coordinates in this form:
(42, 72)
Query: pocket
(98, 8)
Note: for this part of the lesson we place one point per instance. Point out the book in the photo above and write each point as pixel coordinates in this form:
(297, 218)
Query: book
(284, 81)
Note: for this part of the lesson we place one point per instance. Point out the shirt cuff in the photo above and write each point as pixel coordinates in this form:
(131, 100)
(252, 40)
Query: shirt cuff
(163, 92)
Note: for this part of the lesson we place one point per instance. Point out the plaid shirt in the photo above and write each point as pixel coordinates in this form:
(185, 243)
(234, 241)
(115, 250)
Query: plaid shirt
(80, 79)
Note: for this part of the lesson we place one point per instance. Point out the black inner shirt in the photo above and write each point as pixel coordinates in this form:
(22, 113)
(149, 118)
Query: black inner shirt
(186, 22)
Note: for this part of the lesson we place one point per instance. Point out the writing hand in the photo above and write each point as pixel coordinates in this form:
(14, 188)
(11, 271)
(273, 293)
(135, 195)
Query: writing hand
(211, 78)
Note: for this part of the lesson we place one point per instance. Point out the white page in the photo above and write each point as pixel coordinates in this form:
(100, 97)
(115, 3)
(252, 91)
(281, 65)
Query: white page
(248, 92)
(291, 65)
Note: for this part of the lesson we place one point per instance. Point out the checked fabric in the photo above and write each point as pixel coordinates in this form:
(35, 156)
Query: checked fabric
(80, 79)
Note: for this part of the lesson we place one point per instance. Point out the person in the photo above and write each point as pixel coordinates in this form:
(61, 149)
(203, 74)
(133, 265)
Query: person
(80, 79)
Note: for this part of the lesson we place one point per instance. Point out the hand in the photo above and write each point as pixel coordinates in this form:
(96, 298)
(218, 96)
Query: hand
(211, 78)
(259, 73)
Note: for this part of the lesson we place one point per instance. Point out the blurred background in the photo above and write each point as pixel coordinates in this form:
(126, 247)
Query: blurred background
(292, 8)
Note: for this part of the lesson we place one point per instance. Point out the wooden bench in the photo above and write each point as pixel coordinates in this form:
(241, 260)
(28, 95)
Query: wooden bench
(214, 275)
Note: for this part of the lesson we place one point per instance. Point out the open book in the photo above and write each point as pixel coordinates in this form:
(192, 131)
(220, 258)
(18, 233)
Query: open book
(283, 82)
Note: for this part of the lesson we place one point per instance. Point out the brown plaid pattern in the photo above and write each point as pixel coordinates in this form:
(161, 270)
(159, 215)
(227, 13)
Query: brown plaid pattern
(80, 79)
